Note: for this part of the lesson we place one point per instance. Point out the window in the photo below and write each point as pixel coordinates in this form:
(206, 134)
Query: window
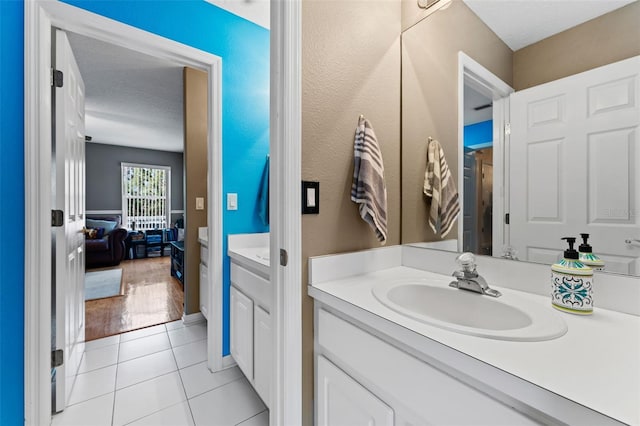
(146, 203)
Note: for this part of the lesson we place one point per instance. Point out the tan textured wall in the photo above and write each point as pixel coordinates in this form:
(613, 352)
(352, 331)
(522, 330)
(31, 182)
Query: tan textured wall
(195, 159)
(429, 99)
(350, 66)
(608, 38)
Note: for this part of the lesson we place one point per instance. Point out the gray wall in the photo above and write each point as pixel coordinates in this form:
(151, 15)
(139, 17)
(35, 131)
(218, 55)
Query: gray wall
(103, 174)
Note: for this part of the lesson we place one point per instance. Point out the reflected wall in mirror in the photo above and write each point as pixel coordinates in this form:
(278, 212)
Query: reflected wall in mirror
(552, 184)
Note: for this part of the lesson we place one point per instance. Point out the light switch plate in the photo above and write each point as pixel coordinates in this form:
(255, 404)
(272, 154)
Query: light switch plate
(310, 197)
(199, 203)
(232, 201)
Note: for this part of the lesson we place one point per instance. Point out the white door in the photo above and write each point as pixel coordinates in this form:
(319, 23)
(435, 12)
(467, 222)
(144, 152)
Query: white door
(575, 157)
(341, 401)
(69, 240)
(241, 333)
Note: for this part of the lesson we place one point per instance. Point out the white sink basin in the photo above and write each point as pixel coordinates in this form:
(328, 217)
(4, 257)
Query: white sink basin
(505, 318)
(263, 255)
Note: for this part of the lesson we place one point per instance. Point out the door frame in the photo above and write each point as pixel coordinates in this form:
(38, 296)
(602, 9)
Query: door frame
(284, 203)
(40, 17)
(470, 72)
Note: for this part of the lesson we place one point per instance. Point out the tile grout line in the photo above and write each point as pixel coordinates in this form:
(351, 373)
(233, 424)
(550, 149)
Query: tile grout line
(184, 389)
(251, 417)
(115, 384)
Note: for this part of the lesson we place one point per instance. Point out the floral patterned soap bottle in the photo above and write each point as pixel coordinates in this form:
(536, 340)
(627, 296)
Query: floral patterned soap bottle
(572, 283)
(588, 257)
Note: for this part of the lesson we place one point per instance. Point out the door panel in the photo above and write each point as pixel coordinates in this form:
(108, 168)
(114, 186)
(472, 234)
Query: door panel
(69, 152)
(567, 139)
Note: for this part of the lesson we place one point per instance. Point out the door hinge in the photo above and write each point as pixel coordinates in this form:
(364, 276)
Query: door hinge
(506, 218)
(57, 218)
(57, 78)
(284, 257)
(507, 129)
(57, 358)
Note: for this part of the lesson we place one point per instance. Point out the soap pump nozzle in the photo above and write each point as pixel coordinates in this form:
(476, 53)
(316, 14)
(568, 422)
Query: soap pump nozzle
(570, 253)
(585, 247)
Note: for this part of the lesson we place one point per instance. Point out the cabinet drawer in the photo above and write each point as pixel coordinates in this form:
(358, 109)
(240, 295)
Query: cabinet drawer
(254, 286)
(402, 380)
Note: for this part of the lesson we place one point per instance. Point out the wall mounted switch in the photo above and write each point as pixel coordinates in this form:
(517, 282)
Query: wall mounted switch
(199, 203)
(232, 201)
(310, 197)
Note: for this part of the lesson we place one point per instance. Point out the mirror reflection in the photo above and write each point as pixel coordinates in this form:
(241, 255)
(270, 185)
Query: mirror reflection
(539, 130)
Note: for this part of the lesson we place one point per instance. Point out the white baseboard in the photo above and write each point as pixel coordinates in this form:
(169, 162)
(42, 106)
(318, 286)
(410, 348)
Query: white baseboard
(228, 362)
(193, 318)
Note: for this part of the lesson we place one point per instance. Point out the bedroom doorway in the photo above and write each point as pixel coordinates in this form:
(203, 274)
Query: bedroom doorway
(134, 156)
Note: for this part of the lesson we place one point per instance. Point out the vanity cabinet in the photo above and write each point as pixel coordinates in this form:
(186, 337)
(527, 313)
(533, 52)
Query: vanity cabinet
(361, 377)
(343, 401)
(242, 331)
(204, 281)
(250, 333)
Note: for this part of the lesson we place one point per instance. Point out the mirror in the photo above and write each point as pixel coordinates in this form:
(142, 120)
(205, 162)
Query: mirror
(463, 100)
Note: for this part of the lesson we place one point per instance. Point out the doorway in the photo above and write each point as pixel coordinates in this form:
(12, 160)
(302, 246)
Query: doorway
(134, 114)
(42, 18)
(483, 107)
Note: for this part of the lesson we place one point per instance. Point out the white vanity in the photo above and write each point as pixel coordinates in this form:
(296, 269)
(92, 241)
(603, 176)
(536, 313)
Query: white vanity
(204, 272)
(378, 363)
(250, 301)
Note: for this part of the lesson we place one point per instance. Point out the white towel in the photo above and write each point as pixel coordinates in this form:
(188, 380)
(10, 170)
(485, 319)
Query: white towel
(368, 189)
(439, 185)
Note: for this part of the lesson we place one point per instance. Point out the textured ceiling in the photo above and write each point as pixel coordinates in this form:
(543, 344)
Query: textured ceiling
(520, 23)
(472, 100)
(131, 99)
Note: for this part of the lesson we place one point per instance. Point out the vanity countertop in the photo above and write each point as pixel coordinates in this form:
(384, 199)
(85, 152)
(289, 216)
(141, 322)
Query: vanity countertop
(595, 364)
(251, 251)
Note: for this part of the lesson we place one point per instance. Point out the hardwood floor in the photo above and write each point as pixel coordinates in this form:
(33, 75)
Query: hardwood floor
(151, 296)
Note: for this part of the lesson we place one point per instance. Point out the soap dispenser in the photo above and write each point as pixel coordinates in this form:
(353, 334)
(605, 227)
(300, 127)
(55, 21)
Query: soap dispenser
(587, 257)
(572, 283)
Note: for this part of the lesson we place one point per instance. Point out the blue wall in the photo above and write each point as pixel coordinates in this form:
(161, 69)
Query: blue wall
(479, 135)
(11, 213)
(244, 48)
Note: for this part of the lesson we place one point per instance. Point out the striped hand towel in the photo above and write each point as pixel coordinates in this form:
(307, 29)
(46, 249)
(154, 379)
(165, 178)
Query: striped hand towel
(368, 189)
(439, 185)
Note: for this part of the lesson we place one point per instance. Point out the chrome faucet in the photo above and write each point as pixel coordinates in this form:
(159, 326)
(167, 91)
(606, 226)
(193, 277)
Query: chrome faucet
(469, 279)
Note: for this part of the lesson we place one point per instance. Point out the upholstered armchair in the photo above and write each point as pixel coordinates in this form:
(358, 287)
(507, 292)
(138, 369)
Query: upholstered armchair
(106, 246)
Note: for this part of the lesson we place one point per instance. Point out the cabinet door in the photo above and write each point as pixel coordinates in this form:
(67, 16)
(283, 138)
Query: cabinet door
(263, 353)
(344, 402)
(242, 331)
(204, 291)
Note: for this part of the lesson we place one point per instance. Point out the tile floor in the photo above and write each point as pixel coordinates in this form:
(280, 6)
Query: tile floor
(158, 376)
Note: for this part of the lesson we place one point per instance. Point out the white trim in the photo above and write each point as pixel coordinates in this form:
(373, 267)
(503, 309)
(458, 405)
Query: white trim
(94, 212)
(120, 211)
(286, 404)
(190, 319)
(484, 81)
(228, 362)
(40, 16)
(37, 152)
